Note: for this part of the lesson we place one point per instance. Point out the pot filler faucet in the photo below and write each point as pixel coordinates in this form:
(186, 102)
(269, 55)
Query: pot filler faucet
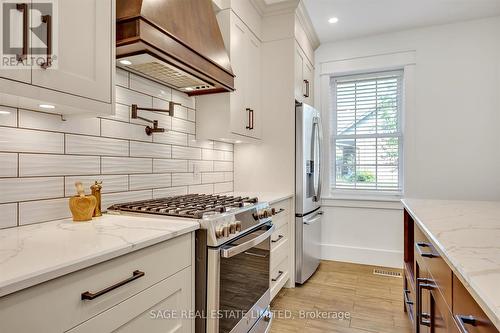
(155, 129)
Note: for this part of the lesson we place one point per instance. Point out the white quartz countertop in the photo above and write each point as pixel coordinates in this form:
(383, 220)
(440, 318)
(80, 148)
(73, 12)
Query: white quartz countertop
(271, 197)
(467, 235)
(33, 254)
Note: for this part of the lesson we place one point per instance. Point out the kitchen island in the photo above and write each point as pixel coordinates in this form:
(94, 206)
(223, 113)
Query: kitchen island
(453, 247)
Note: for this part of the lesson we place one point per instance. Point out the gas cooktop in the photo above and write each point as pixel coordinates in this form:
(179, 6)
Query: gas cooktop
(194, 206)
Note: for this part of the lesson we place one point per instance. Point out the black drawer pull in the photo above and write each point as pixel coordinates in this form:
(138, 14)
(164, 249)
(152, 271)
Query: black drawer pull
(407, 299)
(419, 247)
(279, 211)
(465, 320)
(280, 237)
(90, 296)
(422, 317)
(280, 273)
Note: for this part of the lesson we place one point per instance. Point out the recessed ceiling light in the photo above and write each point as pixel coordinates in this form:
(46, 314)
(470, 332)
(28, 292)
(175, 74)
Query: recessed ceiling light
(189, 89)
(47, 106)
(4, 112)
(126, 62)
(238, 141)
(333, 20)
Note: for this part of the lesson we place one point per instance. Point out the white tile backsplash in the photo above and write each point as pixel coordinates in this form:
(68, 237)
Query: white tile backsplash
(53, 122)
(179, 179)
(205, 189)
(110, 183)
(93, 145)
(148, 149)
(223, 166)
(164, 165)
(129, 97)
(42, 156)
(25, 189)
(8, 164)
(141, 182)
(114, 198)
(44, 210)
(125, 165)
(223, 187)
(167, 192)
(8, 116)
(184, 126)
(56, 165)
(187, 153)
(171, 137)
(30, 141)
(8, 215)
(121, 130)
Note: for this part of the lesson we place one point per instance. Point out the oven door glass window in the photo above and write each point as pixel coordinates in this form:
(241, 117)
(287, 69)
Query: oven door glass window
(244, 279)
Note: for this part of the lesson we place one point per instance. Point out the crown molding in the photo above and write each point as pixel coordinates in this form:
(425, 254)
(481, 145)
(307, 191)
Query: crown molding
(288, 6)
(305, 21)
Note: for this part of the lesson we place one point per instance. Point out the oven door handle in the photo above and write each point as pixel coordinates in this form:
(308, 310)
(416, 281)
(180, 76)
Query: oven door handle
(231, 251)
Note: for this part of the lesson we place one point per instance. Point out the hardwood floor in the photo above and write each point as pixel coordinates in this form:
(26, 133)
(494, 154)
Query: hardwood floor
(374, 303)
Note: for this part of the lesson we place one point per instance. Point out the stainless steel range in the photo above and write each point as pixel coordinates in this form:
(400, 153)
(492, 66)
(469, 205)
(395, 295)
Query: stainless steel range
(232, 257)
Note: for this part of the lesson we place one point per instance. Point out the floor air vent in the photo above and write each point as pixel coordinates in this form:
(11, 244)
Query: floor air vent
(385, 272)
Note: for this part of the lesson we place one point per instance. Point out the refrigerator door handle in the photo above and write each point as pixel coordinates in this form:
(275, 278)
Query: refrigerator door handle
(317, 137)
(314, 220)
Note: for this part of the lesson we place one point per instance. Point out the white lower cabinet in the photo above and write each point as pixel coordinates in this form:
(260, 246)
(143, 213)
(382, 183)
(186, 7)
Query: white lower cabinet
(158, 309)
(154, 282)
(281, 246)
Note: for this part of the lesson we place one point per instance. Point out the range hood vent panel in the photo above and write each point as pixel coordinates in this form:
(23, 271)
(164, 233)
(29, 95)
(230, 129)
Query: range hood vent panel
(181, 33)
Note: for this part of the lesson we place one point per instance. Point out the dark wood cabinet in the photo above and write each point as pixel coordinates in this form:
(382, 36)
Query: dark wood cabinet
(435, 299)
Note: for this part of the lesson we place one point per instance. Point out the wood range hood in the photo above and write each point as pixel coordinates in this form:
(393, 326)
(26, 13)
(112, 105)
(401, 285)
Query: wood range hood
(174, 42)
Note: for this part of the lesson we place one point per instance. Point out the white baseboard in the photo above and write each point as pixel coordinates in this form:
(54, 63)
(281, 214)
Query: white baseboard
(360, 255)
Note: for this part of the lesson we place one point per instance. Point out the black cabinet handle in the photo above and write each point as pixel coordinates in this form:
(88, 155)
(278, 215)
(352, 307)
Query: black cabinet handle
(47, 19)
(420, 245)
(406, 298)
(280, 237)
(90, 296)
(423, 318)
(279, 211)
(465, 320)
(307, 88)
(23, 7)
(250, 119)
(280, 273)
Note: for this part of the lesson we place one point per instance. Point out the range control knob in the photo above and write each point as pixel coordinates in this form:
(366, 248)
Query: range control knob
(225, 231)
(273, 211)
(232, 227)
(219, 231)
(238, 226)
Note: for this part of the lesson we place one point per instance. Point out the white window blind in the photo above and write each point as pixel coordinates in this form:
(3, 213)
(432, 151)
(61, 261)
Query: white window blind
(366, 131)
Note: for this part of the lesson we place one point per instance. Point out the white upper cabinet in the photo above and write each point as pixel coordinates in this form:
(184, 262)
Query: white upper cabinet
(236, 115)
(71, 45)
(83, 42)
(304, 77)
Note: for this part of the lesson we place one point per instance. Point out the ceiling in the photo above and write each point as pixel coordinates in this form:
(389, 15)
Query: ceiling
(359, 18)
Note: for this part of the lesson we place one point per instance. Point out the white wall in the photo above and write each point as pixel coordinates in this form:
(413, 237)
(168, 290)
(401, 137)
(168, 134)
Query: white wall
(452, 131)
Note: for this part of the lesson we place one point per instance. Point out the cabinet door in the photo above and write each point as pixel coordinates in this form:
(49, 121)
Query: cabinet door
(19, 71)
(308, 71)
(157, 309)
(254, 85)
(299, 74)
(467, 312)
(239, 63)
(83, 49)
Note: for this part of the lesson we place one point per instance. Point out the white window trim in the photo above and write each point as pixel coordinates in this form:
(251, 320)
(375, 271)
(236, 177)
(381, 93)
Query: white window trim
(406, 61)
(398, 134)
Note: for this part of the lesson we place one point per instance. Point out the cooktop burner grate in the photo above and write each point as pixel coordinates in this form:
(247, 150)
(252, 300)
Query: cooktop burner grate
(189, 206)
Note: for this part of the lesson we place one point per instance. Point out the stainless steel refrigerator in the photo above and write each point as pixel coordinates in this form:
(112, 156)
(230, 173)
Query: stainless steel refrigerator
(308, 213)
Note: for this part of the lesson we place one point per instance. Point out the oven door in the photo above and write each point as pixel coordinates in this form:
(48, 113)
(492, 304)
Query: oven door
(238, 282)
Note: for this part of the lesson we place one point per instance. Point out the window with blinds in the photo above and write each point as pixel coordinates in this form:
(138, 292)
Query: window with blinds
(366, 131)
